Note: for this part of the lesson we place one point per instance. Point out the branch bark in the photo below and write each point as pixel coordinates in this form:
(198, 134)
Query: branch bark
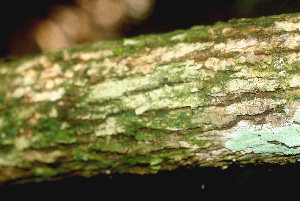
(207, 96)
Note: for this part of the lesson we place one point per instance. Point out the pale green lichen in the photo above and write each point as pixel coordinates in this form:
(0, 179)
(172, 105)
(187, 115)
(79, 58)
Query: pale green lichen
(282, 140)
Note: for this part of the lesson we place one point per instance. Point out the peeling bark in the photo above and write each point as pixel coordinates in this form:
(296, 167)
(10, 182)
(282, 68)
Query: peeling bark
(207, 96)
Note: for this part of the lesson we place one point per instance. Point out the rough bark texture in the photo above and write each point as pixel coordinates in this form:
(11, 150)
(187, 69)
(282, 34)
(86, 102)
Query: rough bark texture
(208, 96)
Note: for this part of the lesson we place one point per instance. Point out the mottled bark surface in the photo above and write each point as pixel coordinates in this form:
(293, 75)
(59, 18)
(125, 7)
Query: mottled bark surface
(208, 96)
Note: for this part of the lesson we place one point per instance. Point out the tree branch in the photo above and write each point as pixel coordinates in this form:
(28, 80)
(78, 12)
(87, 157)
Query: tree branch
(207, 96)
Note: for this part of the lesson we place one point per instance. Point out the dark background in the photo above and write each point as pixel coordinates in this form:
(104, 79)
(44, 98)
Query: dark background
(167, 15)
(251, 180)
(237, 182)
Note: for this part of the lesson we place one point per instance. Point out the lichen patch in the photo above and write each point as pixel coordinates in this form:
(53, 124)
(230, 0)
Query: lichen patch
(287, 26)
(113, 89)
(288, 40)
(295, 81)
(179, 37)
(218, 64)
(110, 127)
(47, 95)
(252, 107)
(92, 55)
(242, 45)
(284, 140)
(53, 71)
(182, 49)
(252, 84)
(279, 134)
(44, 61)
